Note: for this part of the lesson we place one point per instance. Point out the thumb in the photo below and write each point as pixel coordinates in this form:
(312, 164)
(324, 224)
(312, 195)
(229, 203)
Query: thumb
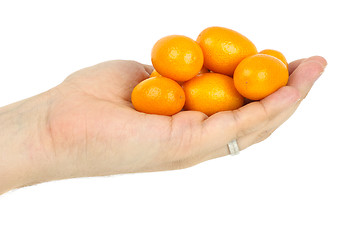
(124, 76)
(112, 80)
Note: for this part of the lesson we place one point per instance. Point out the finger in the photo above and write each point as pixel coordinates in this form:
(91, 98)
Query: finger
(306, 74)
(257, 120)
(319, 59)
(293, 65)
(283, 116)
(221, 128)
(243, 143)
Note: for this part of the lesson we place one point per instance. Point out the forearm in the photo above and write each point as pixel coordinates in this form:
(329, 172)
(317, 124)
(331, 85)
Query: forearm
(24, 147)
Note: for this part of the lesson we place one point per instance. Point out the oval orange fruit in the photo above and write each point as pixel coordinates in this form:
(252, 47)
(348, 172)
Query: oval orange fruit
(177, 57)
(158, 95)
(259, 75)
(223, 49)
(210, 93)
(276, 54)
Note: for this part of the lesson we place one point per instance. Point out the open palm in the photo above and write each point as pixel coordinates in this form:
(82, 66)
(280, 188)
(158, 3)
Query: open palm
(96, 131)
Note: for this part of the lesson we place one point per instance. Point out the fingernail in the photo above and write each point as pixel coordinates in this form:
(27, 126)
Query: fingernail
(322, 61)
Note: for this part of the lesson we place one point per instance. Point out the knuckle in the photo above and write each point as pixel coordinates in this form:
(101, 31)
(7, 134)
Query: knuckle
(252, 125)
(181, 164)
(263, 135)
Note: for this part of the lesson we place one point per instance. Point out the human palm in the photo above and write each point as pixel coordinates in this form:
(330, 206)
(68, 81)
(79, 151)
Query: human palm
(96, 131)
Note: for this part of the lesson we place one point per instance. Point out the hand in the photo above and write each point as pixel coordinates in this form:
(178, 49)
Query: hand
(96, 131)
(92, 128)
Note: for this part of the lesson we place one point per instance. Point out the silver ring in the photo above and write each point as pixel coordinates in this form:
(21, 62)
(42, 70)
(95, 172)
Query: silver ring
(233, 147)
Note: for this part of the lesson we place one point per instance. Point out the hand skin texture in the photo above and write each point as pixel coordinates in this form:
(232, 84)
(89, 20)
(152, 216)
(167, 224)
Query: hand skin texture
(87, 126)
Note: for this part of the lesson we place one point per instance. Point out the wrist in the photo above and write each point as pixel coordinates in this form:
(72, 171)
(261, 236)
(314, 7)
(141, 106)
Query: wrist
(25, 145)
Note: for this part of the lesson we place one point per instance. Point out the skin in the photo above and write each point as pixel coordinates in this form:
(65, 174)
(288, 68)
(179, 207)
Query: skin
(87, 126)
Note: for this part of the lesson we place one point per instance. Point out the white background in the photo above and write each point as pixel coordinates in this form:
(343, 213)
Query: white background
(301, 183)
